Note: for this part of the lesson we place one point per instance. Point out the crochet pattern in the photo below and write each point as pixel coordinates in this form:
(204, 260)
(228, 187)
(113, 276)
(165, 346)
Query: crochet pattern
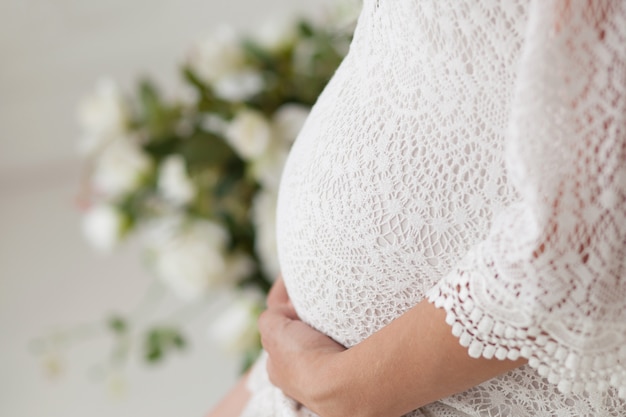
(472, 152)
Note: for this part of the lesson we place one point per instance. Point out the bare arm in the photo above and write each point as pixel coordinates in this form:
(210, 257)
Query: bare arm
(410, 363)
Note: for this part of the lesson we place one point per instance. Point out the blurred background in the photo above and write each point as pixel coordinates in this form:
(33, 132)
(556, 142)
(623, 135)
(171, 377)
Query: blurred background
(52, 52)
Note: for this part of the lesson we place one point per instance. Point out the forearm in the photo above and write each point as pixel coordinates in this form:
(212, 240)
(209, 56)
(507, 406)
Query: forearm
(413, 361)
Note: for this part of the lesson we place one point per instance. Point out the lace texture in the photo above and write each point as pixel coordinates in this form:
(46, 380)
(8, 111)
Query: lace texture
(472, 152)
(549, 282)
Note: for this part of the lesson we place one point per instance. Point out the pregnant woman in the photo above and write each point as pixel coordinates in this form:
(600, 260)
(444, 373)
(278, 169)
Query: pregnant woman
(452, 221)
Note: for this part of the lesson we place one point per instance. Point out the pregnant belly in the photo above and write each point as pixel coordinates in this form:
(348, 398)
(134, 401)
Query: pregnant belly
(373, 210)
(356, 252)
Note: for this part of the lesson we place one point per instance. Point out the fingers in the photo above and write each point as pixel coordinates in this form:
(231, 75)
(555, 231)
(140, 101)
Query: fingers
(273, 320)
(278, 329)
(281, 338)
(278, 293)
(295, 350)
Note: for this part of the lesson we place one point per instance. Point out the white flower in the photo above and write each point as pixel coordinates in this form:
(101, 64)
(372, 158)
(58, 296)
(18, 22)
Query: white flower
(213, 123)
(103, 226)
(120, 167)
(102, 116)
(264, 219)
(239, 86)
(235, 329)
(249, 133)
(217, 56)
(173, 181)
(276, 35)
(267, 169)
(346, 13)
(188, 96)
(238, 266)
(191, 258)
(220, 62)
(288, 121)
(286, 124)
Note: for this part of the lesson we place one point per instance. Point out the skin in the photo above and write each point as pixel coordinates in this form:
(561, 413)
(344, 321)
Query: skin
(412, 362)
(416, 356)
(331, 380)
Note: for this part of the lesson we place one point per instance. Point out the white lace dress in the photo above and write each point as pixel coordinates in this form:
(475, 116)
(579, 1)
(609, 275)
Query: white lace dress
(472, 152)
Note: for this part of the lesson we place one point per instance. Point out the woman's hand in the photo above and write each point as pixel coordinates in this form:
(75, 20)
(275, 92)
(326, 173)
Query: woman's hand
(278, 294)
(301, 359)
(411, 362)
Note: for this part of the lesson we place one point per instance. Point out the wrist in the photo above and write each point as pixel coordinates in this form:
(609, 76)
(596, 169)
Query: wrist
(340, 387)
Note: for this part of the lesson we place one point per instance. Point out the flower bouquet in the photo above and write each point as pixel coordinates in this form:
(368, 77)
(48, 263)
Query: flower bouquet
(195, 180)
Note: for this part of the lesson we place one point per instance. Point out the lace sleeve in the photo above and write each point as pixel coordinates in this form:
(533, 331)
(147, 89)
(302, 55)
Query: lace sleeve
(549, 282)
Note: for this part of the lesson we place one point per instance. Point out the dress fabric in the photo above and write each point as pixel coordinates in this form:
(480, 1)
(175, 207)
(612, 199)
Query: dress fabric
(472, 152)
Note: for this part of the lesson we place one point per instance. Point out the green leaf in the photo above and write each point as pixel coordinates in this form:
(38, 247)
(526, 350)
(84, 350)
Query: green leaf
(203, 149)
(160, 341)
(305, 29)
(153, 355)
(157, 117)
(190, 76)
(178, 341)
(150, 100)
(118, 325)
(160, 149)
(254, 51)
(231, 179)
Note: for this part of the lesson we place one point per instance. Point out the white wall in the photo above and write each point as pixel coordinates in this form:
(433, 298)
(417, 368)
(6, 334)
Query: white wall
(51, 52)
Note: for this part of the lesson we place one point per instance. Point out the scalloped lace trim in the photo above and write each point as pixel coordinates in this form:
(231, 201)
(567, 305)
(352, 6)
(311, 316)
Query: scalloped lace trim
(480, 324)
